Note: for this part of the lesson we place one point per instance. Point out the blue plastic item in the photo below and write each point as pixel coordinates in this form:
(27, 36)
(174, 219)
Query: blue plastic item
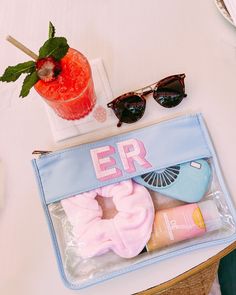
(187, 182)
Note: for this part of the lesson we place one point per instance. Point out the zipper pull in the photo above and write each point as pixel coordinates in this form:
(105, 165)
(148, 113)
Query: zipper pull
(41, 153)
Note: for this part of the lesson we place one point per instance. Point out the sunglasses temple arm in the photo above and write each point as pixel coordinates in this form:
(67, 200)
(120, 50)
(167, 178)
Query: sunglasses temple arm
(119, 123)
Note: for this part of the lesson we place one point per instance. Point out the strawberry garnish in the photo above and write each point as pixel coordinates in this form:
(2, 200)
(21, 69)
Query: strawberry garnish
(48, 69)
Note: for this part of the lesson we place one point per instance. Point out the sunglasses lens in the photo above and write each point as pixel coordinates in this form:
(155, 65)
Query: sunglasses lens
(129, 109)
(170, 94)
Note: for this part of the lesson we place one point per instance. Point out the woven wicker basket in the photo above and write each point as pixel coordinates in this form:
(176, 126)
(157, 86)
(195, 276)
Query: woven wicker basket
(197, 284)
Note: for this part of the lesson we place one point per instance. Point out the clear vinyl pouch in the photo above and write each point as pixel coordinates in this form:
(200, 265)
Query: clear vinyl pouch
(124, 202)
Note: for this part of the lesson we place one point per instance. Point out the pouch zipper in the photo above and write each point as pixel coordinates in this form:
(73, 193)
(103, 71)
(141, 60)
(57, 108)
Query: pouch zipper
(41, 153)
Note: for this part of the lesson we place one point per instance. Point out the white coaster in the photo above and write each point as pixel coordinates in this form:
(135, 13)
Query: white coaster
(100, 117)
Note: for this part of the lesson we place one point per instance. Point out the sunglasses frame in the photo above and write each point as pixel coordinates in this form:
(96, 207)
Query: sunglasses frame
(152, 88)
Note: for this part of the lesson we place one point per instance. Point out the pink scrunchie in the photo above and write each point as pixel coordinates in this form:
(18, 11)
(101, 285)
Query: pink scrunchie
(126, 234)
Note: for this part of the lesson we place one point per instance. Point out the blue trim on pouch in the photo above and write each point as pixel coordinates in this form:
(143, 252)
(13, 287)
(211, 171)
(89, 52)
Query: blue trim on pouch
(89, 166)
(191, 141)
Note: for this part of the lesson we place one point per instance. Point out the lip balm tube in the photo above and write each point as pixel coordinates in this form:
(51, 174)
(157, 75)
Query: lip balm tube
(182, 223)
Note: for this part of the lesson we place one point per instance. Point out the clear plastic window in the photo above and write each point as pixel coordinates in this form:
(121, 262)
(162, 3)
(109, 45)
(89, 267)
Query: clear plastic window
(91, 250)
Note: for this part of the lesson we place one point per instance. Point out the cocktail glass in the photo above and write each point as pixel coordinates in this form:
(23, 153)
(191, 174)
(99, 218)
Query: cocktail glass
(71, 95)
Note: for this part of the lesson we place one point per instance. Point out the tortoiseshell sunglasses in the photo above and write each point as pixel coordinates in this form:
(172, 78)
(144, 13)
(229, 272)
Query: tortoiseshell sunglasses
(130, 107)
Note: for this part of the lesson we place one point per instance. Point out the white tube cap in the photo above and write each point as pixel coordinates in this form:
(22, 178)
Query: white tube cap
(211, 215)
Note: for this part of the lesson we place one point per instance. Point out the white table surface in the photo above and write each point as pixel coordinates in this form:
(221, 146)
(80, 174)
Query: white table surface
(140, 42)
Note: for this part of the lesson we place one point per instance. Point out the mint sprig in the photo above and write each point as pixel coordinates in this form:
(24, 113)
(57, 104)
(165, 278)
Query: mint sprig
(12, 73)
(28, 83)
(55, 47)
(51, 31)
